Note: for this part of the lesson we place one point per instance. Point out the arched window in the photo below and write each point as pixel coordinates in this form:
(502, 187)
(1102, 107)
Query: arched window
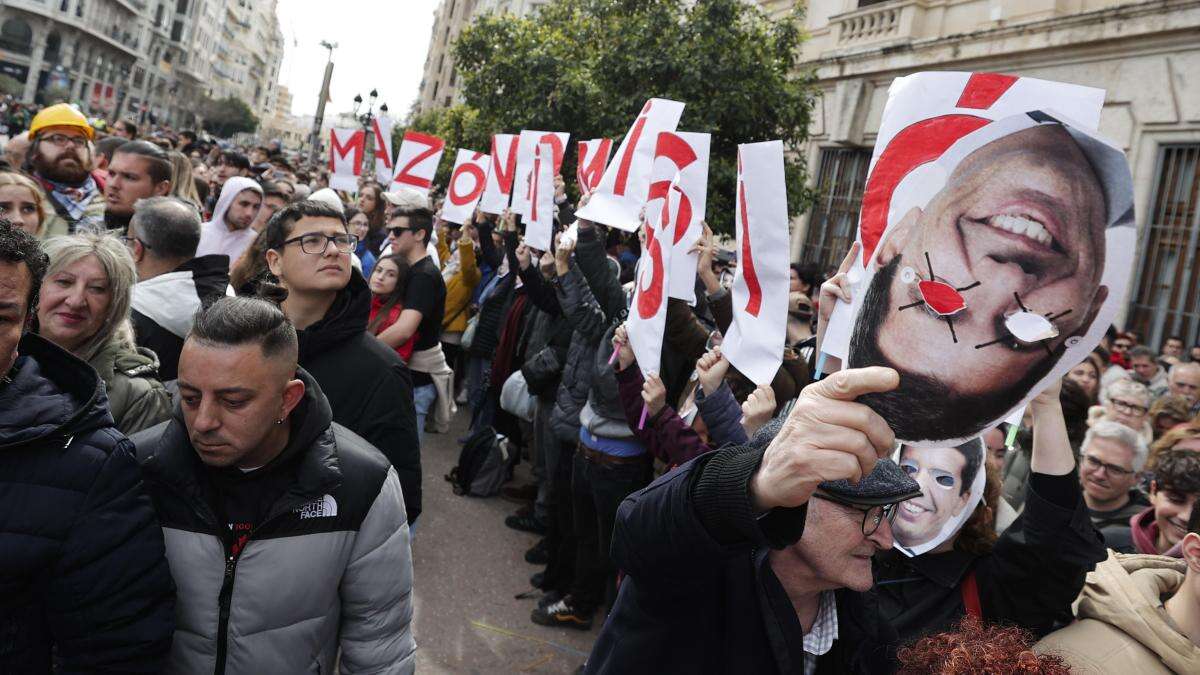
(16, 36)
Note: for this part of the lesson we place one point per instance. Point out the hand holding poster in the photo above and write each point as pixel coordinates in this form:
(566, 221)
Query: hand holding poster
(755, 341)
(467, 181)
(679, 178)
(539, 226)
(346, 147)
(647, 320)
(500, 176)
(623, 190)
(593, 157)
(417, 161)
(384, 169)
(527, 148)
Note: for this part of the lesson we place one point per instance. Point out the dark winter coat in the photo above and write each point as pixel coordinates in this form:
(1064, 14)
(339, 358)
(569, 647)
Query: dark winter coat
(163, 307)
(82, 558)
(368, 386)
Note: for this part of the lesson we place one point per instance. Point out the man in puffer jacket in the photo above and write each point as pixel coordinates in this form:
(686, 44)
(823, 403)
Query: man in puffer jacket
(84, 575)
(286, 533)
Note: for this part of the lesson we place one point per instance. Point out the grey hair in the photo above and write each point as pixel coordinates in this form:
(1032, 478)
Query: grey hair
(118, 266)
(1119, 433)
(169, 227)
(1179, 368)
(1141, 352)
(1125, 387)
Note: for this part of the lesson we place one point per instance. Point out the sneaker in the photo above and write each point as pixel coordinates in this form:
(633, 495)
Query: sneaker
(526, 524)
(539, 554)
(548, 599)
(562, 613)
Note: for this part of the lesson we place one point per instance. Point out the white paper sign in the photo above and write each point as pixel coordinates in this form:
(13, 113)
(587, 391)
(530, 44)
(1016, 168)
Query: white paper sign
(755, 341)
(678, 197)
(346, 147)
(466, 185)
(539, 226)
(523, 182)
(622, 192)
(500, 175)
(593, 157)
(384, 168)
(647, 320)
(417, 161)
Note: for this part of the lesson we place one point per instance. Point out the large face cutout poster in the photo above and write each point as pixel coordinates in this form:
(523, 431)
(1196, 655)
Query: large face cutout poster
(997, 243)
(952, 480)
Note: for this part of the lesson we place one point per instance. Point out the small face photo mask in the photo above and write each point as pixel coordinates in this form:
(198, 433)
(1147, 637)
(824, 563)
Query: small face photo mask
(952, 481)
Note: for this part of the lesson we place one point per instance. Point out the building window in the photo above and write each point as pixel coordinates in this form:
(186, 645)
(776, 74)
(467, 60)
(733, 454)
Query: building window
(841, 177)
(158, 15)
(16, 36)
(1166, 301)
(181, 7)
(176, 31)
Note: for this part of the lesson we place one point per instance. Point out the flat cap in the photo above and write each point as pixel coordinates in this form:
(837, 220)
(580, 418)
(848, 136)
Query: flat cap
(887, 484)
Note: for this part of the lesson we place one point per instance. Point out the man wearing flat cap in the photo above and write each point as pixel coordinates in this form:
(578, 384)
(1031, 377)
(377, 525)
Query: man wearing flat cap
(755, 558)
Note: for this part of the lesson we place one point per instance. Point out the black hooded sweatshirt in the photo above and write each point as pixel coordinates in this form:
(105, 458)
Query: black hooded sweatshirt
(368, 386)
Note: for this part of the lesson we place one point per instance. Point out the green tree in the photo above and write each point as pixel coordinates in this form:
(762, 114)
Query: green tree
(227, 116)
(588, 66)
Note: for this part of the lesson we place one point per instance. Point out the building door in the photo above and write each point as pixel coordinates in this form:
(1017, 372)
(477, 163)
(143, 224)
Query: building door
(833, 222)
(1166, 296)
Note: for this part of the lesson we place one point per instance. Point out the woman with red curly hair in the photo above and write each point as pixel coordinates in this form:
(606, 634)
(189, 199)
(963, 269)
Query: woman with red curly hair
(975, 647)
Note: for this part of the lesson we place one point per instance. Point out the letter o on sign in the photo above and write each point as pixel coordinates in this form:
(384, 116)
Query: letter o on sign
(460, 198)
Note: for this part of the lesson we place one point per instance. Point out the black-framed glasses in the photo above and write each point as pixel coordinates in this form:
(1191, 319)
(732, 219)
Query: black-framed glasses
(63, 140)
(397, 231)
(315, 243)
(1129, 408)
(872, 516)
(1113, 470)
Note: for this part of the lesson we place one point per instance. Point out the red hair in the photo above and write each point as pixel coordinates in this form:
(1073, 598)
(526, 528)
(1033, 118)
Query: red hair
(974, 647)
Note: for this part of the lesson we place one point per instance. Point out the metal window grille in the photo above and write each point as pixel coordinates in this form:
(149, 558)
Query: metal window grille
(841, 177)
(1166, 300)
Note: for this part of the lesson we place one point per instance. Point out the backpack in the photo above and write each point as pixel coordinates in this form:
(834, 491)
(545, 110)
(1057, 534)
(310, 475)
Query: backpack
(484, 464)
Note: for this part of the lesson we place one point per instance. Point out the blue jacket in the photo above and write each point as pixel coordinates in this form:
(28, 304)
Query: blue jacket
(84, 570)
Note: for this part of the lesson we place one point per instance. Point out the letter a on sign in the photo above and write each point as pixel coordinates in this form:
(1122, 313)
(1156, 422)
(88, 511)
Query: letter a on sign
(623, 190)
(647, 320)
(503, 167)
(755, 341)
(345, 158)
(466, 185)
(417, 161)
(384, 168)
(593, 157)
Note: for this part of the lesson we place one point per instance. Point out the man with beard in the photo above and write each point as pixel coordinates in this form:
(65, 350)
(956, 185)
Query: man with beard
(229, 231)
(138, 170)
(61, 156)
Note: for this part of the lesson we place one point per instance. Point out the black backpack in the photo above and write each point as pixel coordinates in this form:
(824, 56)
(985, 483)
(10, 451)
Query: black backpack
(484, 464)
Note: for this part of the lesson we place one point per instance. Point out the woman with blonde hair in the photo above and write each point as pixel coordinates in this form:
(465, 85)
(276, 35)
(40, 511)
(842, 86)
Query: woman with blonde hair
(22, 202)
(84, 308)
(182, 184)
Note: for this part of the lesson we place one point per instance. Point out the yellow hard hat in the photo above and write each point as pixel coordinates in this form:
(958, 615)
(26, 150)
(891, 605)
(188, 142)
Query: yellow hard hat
(60, 115)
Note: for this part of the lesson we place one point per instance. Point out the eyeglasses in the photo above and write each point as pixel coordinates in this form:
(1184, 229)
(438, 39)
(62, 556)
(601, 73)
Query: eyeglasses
(315, 243)
(129, 242)
(872, 516)
(1129, 408)
(397, 231)
(62, 140)
(1112, 469)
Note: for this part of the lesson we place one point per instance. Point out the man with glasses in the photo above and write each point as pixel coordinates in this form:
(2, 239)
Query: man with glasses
(368, 386)
(61, 159)
(1111, 461)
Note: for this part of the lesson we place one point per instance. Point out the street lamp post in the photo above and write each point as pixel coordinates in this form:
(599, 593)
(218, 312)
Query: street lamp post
(315, 138)
(367, 120)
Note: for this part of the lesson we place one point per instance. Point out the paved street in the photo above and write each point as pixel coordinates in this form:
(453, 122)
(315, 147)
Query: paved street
(468, 569)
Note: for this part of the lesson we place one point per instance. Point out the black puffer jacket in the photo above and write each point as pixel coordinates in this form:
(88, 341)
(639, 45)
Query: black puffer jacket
(82, 558)
(368, 386)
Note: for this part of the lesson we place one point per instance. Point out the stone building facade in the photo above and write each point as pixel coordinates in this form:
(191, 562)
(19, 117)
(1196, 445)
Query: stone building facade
(1146, 55)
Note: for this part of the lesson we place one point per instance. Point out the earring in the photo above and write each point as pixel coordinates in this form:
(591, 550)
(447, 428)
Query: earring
(279, 421)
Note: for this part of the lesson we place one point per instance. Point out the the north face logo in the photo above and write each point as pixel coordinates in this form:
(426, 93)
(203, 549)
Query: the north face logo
(325, 507)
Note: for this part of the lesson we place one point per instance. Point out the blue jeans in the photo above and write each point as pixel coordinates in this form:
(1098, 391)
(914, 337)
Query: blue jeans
(424, 397)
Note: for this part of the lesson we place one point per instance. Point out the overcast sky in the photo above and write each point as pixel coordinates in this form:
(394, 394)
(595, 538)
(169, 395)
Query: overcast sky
(381, 45)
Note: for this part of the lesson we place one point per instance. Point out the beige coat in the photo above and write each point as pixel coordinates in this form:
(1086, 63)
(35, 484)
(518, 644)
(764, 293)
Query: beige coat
(1123, 626)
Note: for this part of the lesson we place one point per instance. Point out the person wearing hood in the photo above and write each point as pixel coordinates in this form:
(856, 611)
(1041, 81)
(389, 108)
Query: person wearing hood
(1137, 614)
(173, 284)
(1174, 471)
(86, 586)
(229, 232)
(85, 309)
(286, 533)
(370, 389)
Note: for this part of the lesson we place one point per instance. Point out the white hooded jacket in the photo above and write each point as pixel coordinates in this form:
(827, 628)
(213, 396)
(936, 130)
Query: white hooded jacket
(215, 235)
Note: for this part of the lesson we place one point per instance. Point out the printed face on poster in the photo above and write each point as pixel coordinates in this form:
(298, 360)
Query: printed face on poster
(1004, 258)
(952, 481)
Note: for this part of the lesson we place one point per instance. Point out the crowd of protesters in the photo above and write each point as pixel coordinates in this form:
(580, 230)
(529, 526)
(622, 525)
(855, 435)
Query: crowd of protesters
(219, 374)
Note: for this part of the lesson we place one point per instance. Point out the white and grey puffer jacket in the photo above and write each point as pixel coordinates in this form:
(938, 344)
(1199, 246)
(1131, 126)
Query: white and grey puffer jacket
(328, 567)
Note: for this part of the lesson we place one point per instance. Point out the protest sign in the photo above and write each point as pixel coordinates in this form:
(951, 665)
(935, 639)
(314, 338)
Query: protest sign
(526, 149)
(952, 479)
(467, 181)
(539, 226)
(593, 157)
(1000, 253)
(498, 190)
(678, 197)
(417, 161)
(346, 147)
(384, 168)
(622, 192)
(754, 344)
(647, 320)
